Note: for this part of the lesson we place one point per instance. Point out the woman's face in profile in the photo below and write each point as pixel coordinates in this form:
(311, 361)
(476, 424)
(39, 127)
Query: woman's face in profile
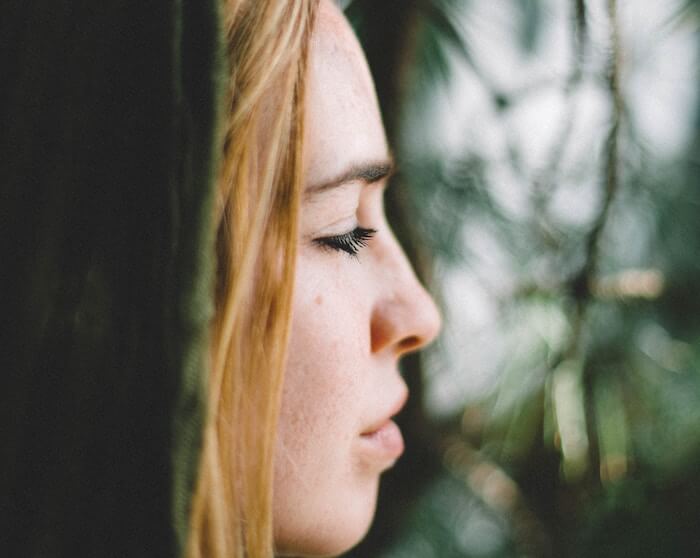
(357, 309)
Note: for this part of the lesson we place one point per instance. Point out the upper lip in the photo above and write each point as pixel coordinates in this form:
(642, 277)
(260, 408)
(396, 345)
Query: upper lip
(392, 411)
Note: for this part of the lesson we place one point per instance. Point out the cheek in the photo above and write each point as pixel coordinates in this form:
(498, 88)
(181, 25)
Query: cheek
(323, 379)
(323, 500)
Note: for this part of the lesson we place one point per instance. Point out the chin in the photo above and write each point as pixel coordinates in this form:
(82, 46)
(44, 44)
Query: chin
(327, 532)
(326, 545)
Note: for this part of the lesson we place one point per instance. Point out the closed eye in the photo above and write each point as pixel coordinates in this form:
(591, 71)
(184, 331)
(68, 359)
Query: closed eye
(350, 242)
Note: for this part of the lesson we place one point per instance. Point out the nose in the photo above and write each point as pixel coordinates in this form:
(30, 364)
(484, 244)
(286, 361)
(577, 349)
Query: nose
(404, 317)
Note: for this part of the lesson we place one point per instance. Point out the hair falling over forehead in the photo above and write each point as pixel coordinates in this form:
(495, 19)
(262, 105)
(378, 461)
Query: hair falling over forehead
(257, 212)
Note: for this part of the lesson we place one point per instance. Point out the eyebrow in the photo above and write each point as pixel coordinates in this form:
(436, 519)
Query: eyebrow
(369, 173)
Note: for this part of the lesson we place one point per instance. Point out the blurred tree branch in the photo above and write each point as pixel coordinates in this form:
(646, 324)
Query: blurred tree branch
(581, 283)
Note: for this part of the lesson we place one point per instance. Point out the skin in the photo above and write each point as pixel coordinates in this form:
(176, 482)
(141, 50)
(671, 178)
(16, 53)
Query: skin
(353, 318)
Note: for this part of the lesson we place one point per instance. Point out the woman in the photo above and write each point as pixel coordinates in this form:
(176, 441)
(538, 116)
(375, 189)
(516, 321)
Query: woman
(315, 300)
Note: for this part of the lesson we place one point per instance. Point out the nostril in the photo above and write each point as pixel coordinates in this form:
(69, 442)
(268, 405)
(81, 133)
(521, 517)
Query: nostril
(410, 343)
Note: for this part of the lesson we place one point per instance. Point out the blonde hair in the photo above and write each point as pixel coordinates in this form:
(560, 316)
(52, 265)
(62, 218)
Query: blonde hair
(258, 204)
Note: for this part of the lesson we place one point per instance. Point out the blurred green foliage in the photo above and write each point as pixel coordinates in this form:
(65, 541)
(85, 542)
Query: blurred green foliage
(549, 154)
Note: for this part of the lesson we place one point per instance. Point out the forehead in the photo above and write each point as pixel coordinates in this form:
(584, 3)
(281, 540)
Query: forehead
(342, 120)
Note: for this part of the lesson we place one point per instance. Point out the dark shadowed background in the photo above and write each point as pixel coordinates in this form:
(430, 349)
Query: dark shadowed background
(108, 146)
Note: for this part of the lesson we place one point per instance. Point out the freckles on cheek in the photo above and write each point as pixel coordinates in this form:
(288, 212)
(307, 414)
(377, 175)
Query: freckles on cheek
(321, 385)
(316, 429)
(327, 342)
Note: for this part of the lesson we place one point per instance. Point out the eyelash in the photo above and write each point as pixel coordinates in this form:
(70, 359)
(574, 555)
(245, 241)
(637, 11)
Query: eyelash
(350, 242)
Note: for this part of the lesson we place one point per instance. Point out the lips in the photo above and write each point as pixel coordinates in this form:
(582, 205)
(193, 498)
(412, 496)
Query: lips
(382, 442)
(386, 416)
(385, 444)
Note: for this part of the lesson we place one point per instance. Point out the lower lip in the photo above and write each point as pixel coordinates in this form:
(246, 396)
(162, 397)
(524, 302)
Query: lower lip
(384, 445)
